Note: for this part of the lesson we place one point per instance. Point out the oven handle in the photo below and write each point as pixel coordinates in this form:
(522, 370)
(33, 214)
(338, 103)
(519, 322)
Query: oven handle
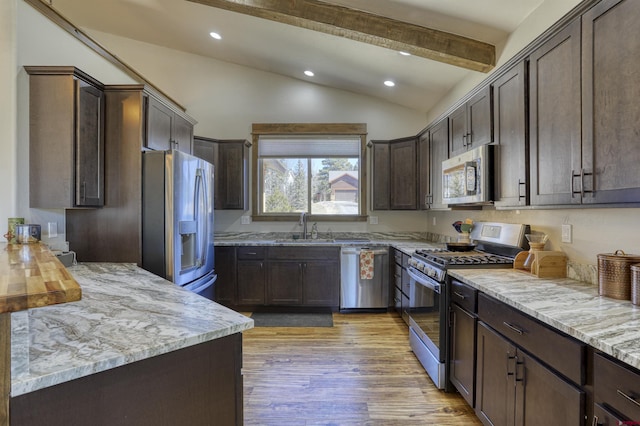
(423, 280)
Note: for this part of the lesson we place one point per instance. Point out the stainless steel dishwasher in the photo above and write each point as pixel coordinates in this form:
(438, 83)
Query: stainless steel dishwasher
(359, 293)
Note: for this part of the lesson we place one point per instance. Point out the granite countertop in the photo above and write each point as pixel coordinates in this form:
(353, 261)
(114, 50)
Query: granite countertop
(573, 307)
(405, 242)
(126, 314)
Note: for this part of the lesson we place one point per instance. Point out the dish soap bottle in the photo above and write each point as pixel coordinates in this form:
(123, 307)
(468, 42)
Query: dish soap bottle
(314, 231)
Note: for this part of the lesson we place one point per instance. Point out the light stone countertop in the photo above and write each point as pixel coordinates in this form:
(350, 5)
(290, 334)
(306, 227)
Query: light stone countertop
(573, 307)
(126, 314)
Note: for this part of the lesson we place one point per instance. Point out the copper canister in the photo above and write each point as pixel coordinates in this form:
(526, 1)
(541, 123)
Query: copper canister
(614, 274)
(635, 284)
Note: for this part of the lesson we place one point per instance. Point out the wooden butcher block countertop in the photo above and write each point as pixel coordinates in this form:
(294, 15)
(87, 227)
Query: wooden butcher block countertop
(31, 277)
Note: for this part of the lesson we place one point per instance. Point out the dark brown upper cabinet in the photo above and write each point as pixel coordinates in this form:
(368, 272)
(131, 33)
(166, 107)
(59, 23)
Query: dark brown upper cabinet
(554, 117)
(395, 166)
(229, 158)
(510, 134)
(438, 152)
(166, 128)
(66, 138)
(608, 172)
(470, 125)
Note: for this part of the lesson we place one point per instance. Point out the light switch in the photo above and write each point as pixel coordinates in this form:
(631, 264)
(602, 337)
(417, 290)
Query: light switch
(567, 236)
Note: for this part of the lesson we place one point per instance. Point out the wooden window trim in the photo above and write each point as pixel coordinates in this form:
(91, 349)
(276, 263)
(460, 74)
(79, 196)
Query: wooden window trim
(259, 129)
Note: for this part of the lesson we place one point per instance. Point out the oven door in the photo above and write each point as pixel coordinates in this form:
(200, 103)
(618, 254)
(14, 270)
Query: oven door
(426, 324)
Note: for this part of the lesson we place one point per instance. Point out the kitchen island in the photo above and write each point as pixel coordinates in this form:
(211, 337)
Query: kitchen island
(136, 349)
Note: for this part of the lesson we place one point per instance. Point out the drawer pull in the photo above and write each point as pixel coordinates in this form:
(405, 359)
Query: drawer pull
(252, 253)
(460, 295)
(627, 397)
(514, 328)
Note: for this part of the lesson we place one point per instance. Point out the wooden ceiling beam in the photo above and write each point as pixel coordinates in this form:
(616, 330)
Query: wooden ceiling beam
(368, 28)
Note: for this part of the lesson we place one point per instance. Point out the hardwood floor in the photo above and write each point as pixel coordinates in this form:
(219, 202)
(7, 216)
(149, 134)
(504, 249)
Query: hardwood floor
(359, 372)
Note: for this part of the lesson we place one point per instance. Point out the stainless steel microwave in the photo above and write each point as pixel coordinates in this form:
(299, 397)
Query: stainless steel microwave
(468, 178)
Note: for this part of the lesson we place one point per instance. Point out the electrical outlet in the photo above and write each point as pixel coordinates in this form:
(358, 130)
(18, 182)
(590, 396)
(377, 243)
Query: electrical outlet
(373, 220)
(53, 229)
(246, 220)
(567, 234)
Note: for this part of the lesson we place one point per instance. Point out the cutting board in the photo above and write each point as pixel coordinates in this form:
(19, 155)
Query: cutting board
(31, 277)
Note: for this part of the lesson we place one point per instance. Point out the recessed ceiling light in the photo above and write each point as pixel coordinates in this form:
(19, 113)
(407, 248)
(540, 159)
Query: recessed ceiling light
(404, 53)
(309, 73)
(215, 35)
(389, 83)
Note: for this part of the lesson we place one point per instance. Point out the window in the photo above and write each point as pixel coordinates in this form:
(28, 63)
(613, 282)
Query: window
(318, 169)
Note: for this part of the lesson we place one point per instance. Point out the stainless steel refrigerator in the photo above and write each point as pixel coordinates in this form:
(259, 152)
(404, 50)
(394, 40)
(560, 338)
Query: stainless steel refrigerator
(177, 219)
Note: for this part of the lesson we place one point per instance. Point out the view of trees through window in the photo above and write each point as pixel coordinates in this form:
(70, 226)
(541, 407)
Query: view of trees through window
(313, 185)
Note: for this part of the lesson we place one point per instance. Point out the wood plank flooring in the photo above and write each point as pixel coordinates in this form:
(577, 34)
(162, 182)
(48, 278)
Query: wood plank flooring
(359, 372)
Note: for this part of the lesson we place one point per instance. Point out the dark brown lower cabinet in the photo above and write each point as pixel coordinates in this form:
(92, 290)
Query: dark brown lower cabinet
(513, 388)
(616, 389)
(251, 282)
(463, 353)
(199, 385)
(226, 284)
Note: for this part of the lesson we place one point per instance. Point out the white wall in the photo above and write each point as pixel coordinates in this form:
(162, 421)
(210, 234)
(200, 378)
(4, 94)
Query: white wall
(8, 112)
(547, 14)
(49, 45)
(226, 99)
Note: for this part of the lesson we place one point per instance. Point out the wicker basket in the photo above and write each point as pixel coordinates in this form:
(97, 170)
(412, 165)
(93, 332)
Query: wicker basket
(614, 274)
(635, 284)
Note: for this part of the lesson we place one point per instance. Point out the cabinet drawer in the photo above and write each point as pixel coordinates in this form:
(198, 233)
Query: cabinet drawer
(464, 295)
(616, 386)
(604, 417)
(292, 253)
(251, 252)
(561, 352)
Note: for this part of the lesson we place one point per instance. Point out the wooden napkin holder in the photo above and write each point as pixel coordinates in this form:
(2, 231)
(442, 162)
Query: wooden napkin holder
(547, 264)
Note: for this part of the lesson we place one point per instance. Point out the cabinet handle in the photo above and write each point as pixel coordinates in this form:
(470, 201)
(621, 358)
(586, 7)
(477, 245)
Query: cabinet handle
(84, 190)
(252, 253)
(575, 175)
(519, 363)
(464, 140)
(582, 175)
(595, 421)
(520, 185)
(460, 295)
(509, 358)
(627, 397)
(514, 328)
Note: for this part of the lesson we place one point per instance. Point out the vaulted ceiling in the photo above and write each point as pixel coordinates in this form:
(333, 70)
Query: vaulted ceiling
(349, 44)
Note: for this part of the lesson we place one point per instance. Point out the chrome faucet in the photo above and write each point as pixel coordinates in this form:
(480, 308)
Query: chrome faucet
(303, 223)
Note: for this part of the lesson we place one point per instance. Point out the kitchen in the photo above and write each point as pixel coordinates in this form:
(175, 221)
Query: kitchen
(595, 230)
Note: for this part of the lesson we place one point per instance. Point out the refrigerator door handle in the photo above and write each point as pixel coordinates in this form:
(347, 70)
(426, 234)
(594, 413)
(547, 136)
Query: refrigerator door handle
(202, 284)
(199, 216)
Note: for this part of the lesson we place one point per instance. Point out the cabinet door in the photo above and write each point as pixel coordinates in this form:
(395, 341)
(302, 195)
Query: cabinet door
(321, 283)
(555, 117)
(182, 134)
(458, 130)
(509, 121)
(611, 111)
(207, 149)
(403, 185)
(496, 363)
(251, 287)
(438, 152)
(604, 417)
(226, 284)
(423, 172)
(543, 398)
(159, 122)
(284, 283)
(462, 371)
(230, 176)
(381, 178)
(479, 123)
(89, 146)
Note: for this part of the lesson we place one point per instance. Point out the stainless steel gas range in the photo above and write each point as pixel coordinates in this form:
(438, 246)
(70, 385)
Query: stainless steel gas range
(496, 246)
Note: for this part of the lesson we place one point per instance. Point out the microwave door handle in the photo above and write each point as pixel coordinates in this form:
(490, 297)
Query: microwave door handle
(471, 178)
